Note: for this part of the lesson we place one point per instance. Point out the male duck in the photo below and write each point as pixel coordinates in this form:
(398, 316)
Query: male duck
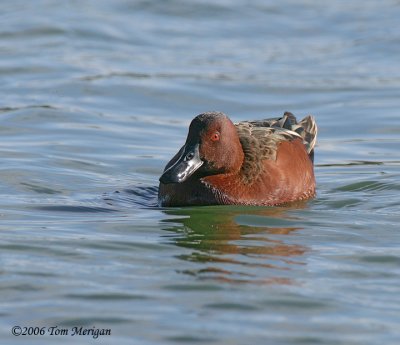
(265, 162)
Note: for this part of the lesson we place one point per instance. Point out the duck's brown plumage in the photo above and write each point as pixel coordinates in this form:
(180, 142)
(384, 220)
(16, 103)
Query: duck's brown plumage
(266, 162)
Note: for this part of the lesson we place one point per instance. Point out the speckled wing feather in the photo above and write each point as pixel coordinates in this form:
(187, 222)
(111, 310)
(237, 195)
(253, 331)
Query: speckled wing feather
(260, 139)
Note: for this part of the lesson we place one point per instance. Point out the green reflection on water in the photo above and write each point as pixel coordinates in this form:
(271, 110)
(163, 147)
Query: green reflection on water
(233, 244)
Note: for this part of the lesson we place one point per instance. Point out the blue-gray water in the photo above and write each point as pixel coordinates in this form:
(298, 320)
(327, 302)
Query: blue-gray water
(96, 97)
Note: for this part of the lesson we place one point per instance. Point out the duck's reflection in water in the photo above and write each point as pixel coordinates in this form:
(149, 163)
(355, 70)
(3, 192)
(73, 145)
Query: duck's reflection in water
(237, 244)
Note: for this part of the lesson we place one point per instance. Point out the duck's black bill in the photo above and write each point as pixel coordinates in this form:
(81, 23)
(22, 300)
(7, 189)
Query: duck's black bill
(184, 167)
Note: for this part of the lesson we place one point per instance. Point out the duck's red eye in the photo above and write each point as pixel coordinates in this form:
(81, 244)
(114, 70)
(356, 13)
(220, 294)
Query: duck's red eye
(215, 136)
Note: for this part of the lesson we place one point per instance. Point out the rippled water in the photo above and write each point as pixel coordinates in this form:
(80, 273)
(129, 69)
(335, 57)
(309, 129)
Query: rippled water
(96, 97)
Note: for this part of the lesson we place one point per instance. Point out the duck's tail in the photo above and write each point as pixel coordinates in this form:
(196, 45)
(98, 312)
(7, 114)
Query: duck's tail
(306, 128)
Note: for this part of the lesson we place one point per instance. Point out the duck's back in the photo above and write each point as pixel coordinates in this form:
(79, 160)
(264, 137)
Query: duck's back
(267, 133)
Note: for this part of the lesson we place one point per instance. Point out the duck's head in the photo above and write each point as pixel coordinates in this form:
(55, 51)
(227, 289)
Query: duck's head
(212, 147)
